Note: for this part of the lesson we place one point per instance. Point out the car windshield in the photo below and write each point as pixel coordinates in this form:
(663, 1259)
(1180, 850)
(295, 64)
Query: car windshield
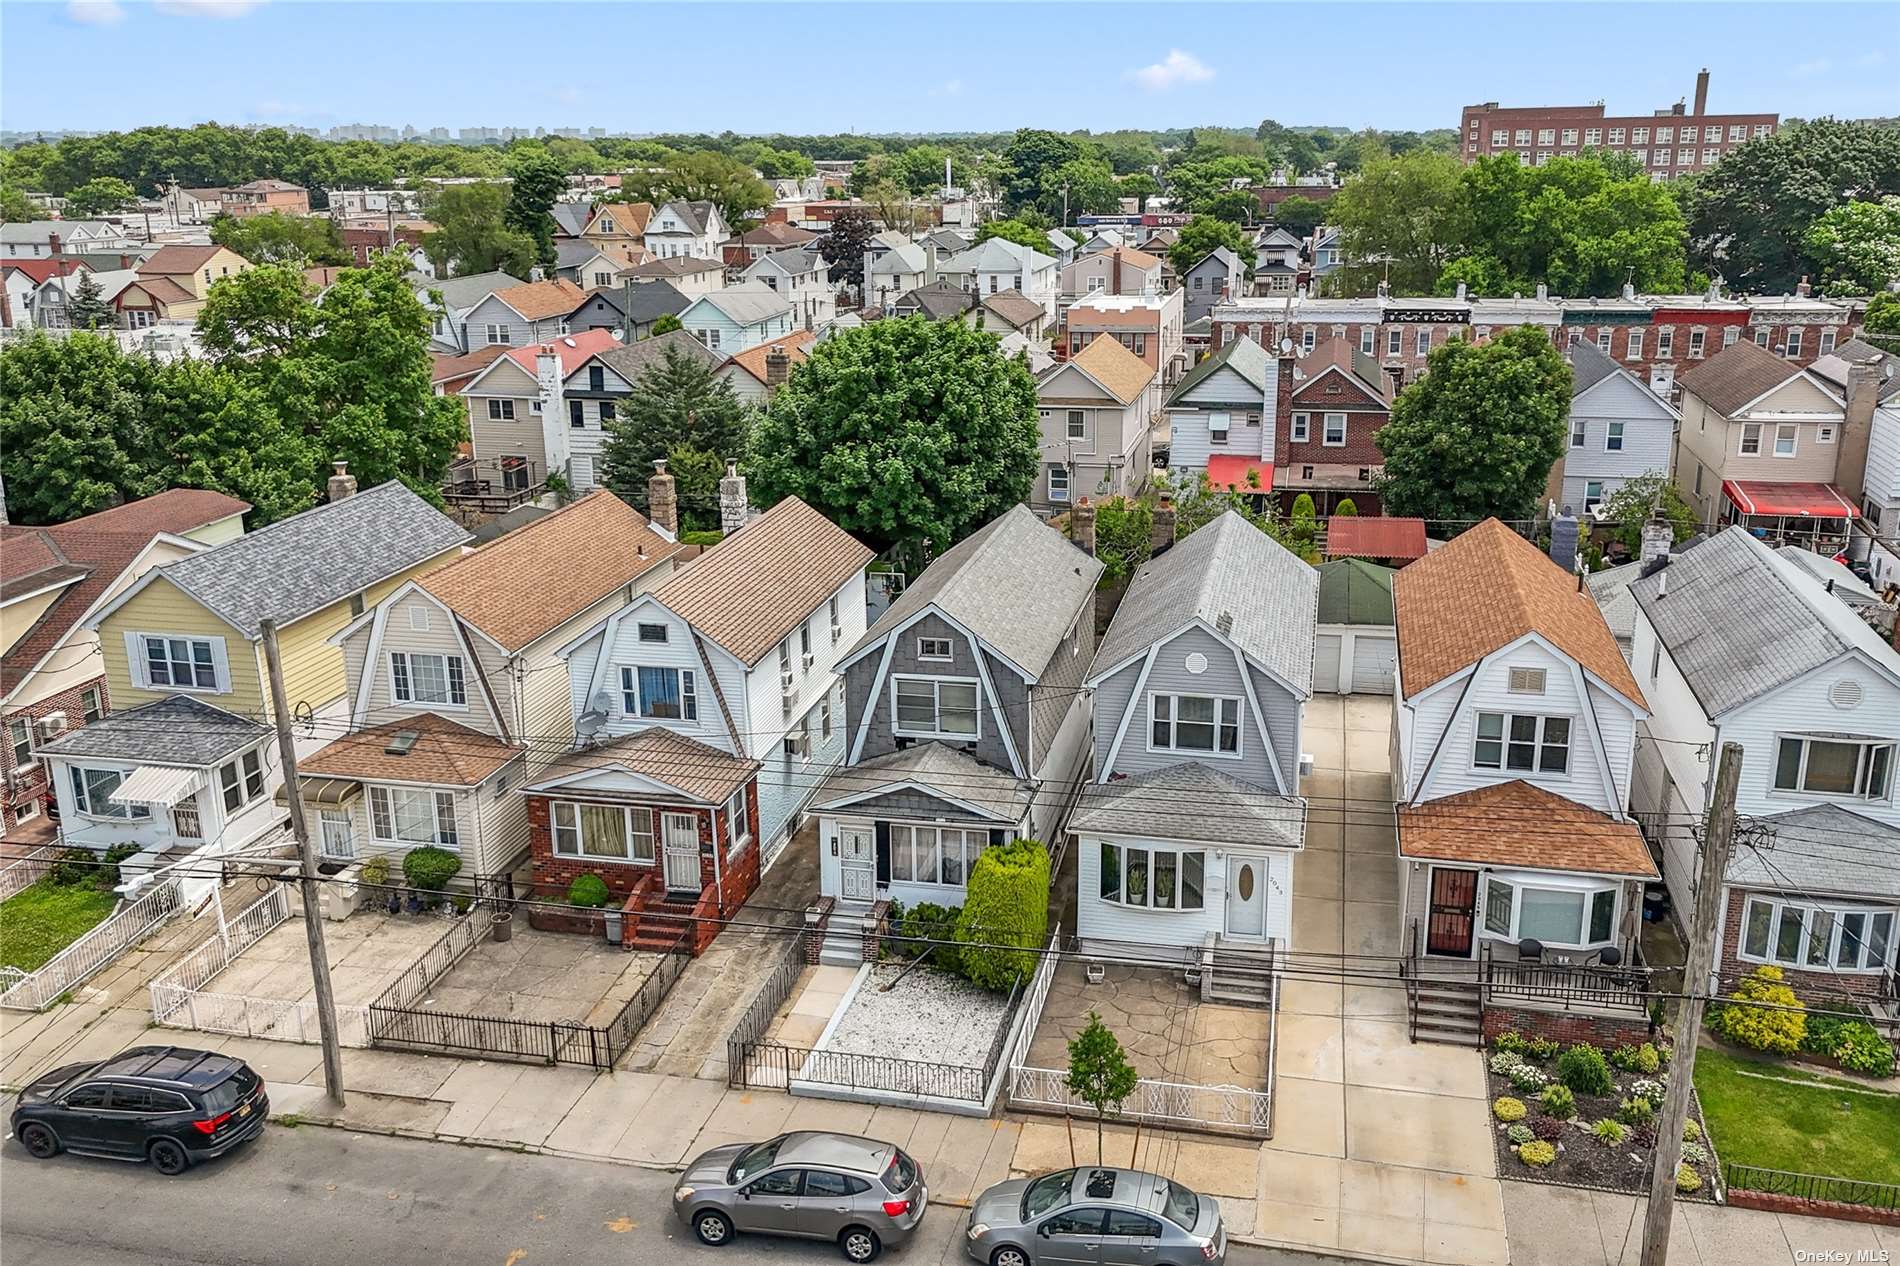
(1180, 1205)
(755, 1158)
(59, 1078)
(1051, 1191)
(226, 1094)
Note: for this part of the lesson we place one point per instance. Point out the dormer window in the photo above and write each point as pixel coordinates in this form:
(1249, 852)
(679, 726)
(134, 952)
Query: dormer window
(432, 679)
(933, 648)
(1522, 743)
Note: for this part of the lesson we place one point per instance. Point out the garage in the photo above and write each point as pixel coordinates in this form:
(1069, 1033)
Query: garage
(1355, 646)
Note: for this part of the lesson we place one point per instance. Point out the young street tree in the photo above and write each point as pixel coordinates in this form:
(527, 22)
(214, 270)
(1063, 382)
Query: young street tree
(1477, 436)
(676, 403)
(1099, 1073)
(905, 433)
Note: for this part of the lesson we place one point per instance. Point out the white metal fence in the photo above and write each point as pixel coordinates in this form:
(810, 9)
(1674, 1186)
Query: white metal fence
(27, 870)
(93, 952)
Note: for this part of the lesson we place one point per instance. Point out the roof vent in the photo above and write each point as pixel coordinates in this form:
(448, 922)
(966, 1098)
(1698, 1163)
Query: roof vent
(1845, 694)
(403, 741)
(1225, 623)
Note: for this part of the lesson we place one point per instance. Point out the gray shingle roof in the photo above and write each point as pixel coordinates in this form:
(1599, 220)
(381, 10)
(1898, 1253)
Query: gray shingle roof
(572, 217)
(908, 258)
(177, 730)
(1193, 803)
(650, 300)
(310, 560)
(1246, 357)
(574, 254)
(1016, 583)
(1234, 578)
(747, 305)
(934, 767)
(1822, 849)
(996, 255)
(694, 215)
(1588, 367)
(633, 359)
(465, 292)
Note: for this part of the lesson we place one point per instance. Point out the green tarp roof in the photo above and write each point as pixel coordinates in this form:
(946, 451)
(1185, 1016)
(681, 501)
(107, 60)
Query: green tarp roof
(1353, 591)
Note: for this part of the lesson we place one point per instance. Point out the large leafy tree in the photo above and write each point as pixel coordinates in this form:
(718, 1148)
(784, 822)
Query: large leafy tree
(906, 433)
(844, 244)
(1202, 234)
(278, 238)
(538, 179)
(1750, 214)
(1299, 215)
(1477, 436)
(1631, 506)
(1017, 230)
(703, 176)
(17, 208)
(676, 403)
(1405, 215)
(471, 234)
(1857, 245)
(1031, 154)
(1195, 186)
(98, 195)
(1090, 187)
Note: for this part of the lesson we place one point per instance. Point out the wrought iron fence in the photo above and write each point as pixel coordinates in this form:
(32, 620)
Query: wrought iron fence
(1229, 1108)
(765, 1004)
(759, 1065)
(1779, 1182)
(637, 1010)
(93, 952)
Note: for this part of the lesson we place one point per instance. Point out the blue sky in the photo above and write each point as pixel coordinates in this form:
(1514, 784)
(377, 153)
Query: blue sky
(890, 66)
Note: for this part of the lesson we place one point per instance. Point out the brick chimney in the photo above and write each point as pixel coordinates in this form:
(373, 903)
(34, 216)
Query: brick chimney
(732, 499)
(1803, 289)
(1163, 535)
(1864, 380)
(778, 366)
(52, 243)
(1082, 526)
(342, 483)
(1658, 536)
(1702, 91)
(663, 503)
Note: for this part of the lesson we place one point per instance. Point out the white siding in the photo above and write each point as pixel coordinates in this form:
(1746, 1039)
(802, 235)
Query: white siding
(1104, 925)
(1648, 437)
(1883, 454)
(1803, 707)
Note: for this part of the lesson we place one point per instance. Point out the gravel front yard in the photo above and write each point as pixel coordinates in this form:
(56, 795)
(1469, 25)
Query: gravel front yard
(931, 1016)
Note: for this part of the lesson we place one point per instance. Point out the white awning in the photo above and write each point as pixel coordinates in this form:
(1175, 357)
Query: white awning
(162, 785)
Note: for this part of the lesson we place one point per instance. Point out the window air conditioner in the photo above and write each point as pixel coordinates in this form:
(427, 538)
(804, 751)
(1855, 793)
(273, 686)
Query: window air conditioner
(809, 659)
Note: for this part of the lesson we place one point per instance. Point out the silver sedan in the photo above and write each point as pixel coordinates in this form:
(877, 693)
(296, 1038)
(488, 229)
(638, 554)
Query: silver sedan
(1095, 1217)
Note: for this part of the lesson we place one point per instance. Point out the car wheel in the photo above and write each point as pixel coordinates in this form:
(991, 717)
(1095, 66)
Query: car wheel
(713, 1228)
(860, 1244)
(168, 1158)
(1009, 1255)
(39, 1141)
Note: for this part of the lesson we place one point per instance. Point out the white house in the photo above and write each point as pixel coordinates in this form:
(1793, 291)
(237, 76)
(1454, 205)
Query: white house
(1619, 430)
(693, 229)
(998, 264)
(801, 275)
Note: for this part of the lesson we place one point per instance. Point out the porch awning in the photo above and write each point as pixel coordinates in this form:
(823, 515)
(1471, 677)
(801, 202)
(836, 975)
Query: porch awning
(322, 791)
(162, 785)
(1809, 501)
(1231, 470)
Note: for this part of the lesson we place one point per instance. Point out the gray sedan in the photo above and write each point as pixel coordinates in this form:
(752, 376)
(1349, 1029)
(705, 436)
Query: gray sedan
(861, 1193)
(1095, 1217)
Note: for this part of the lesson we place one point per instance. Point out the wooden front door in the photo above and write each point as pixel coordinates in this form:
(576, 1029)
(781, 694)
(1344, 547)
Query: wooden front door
(1454, 900)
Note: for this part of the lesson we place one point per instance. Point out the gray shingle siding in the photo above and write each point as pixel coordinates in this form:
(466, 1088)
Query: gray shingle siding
(880, 739)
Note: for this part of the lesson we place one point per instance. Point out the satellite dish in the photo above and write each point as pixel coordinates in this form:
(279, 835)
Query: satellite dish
(1286, 347)
(602, 702)
(589, 723)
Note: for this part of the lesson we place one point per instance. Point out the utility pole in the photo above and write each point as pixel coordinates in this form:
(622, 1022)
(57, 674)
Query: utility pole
(307, 869)
(1718, 840)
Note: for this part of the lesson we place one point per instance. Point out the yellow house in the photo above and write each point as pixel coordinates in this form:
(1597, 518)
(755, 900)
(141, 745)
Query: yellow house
(193, 268)
(618, 231)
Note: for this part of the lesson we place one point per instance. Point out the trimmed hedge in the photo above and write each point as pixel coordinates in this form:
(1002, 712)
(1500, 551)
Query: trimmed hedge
(1006, 904)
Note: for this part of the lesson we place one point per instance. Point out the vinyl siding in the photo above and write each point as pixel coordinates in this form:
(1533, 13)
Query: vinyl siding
(162, 607)
(1802, 707)
(881, 710)
(538, 697)
(400, 636)
(1883, 454)
(522, 332)
(492, 829)
(524, 435)
(224, 833)
(700, 318)
(1105, 925)
(1648, 436)
(313, 669)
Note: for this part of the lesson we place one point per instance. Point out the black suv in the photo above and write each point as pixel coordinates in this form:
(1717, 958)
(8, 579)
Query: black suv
(166, 1104)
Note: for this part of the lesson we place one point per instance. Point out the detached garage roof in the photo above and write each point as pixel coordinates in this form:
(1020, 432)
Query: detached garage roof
(1353, 591)
(1374, 536)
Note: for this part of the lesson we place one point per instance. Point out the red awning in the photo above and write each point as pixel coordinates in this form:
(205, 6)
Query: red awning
(1229, 470)
(1811, 501)
(1374, 536)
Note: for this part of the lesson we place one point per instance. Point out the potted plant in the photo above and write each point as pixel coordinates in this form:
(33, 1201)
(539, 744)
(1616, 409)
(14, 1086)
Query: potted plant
(428, 870)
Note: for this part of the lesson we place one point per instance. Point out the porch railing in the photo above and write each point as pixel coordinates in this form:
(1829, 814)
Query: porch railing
(93, 952)
(1564, 986)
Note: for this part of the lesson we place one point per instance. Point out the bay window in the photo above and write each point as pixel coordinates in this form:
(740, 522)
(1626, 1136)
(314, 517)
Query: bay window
(1553, 909)
(413, 815)
(1153, 878)
(1525, 743)
(668, 694)
(935, 707)
(1826, 938)
(1860, 769)
(92, 792)
(603, 832)
(1194, 723)
(436, 679)
(934, 855)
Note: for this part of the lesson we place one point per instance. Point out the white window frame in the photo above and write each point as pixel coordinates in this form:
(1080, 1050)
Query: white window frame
(1613, 437)
(214, 646)
(1517, 883)
(1126, 854)
(1222, 705)
(1633, 349)
(1750, 435)
(1077, 423)
(1794, 342)
(83, 792)
(20, 739)
(738, 821)
(1539, 743)
(936, 730)
(906, 836)
(1424, 344)
(1302, 427)
(500, 334)
(633, 701)
(1368, 339)
(1867, 960)
(500, 410)
(564, 828)
(1790, 432)
(1579, 432)
(241, 781)
(1826, 346)
(403, 680)
(1326, 430)
(938, 649)
(1058, 483)
(1867, 765)
(382, 812)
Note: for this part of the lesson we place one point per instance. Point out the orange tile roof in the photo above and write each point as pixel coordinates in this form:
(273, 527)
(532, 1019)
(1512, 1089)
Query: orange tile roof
(1115, 367)
(1487, 589)
(537, 300)
(532, 580)
(446, 753)
(797, 345)
(1516, 824)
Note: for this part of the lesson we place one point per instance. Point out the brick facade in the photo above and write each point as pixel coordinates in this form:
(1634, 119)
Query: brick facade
(1822, 983)
(1773, 1203)
(33, 787)
(1569, 1027)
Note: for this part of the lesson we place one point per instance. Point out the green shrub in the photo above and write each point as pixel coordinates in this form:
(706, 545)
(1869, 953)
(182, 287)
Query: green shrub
(1862, 1050)
(376, 871)
(1609, 1133)
(1695, 1153)
(1540, 1048)
(1763, 1028)
(1584, 1070)
(1823, 1034)
(1507, 1109)
(1527, 1080)
(1691, 1130)
(1519, 1133)
(1559, 1102)
(1512, 1041)
(430, 868)
(106, 877)
(73, 866)
(588, 891)
(1623, 1057)
(928, 921)
(1649, 1059)
(1504, 1061)
(1636, 1112)
(1006, 905)
(1687, 1180)
(1538, 1154)
(1346, 508)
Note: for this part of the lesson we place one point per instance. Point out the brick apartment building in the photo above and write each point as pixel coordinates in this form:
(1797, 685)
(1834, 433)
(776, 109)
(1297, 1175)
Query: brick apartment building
(1667, 143)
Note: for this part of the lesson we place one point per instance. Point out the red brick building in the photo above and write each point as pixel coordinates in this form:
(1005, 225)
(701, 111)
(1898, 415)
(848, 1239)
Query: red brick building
(1333, 401)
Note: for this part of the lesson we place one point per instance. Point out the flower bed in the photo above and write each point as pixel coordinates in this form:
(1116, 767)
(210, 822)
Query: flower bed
(1578, 1116)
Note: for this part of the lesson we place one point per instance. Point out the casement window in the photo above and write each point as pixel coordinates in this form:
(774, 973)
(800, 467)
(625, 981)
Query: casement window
(1058, 483)
(1833, 767)
(1546, 136)
(92, 794)
(20, 739)
(501, 411)
(1499, 138)
(1153, 878)
(1570, 136)
(1826, 938)
(181, 663)
(738, 820)
(668, 694)
(1639, 136)
(1787, 436)
(1616, 136)
(933, 648)
(1665, 135)
(1194, 723)
(1557, 911)
(1633, 350)
(934, 855)
(1751, 440)
(413, 815)
(1522, 742)
(1301, 425)
(1335, 433)
(602, 832)
(1593, 136)
(1613, 442)
(431, 679)
(241, 781)
(935, 707)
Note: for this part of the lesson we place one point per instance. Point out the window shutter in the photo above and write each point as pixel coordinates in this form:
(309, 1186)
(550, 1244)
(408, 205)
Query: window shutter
(221, 664)
(135, 653)
(884, 852)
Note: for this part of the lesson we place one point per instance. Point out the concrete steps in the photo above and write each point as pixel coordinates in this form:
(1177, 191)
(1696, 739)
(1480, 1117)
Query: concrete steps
(844, 938)
(1242, 976)
(1447, 1011)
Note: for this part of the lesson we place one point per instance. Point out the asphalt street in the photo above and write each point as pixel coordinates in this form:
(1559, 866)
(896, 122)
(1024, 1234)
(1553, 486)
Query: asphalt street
(313, 1195)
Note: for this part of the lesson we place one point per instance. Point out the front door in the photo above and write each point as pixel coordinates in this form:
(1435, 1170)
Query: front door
(1246, 895)
(337, 835)
(1448, 923)
(856, 880)
(680, 843)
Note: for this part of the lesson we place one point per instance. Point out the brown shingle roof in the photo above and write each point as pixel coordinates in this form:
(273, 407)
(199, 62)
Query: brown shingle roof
(534, 579)
(172, 260)
(1116, 368)
(453, 372)
(1485, 590)
(162, 290)
(1735, 375)
(446, 753)
(704, 773)
(753, 588)
(797, 347)
(629, 217)
(537, 300)
(1516, 824)
(1014, 307)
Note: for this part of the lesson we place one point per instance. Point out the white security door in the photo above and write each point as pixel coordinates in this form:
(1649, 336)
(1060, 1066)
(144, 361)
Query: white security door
(337, 834)
(1246, 895)
(680, 841)
(857, 879)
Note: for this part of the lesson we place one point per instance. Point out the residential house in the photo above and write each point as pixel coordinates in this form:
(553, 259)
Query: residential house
(449, 373)
(1356, 649)
(262, 197)
(1149, 325)
(20, 281)
(1337, 401)
(54, 296)
(1101, 240)
(451, 299)
(1325, 252)
(1007, 312)
(1121, 271)
(457, 697)
(1619, 430)
(758, 372)
(1512, 755)
(570, 220)
(1217, 274)
(967, 722)
(1158, 242)
(947, 241)
(1221, 418)
(692, 229)
(518, 424)
(602, 309)
(1062, 246)
(619, 231)
(194, 268)
(41, 239)
(737, 652)
(193, 206)
(1868, 380)
(52, 671)
(999, 264)
(1735, 643)
(940, 300)
(756, 244)
(894, 272)
(738, 317)
(1187, 830)
(1759, 443)
(593, 386)
(643, 304)
(517, 316)
(802, 276)
(687, 274)
(1276, 262)
(586, 265)
(1097, 412)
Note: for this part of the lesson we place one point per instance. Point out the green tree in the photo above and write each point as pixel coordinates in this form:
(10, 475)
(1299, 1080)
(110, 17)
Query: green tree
(703, 176)
(1199, 503)
(99, 195)
(471, 235)
(1124, 535)
(1194, 186)
(844, 244)
(1016, 230)
(906, 433)
(17, 208)
(278, 238)
(1857, 245)
(1140, 186)
(1477, 436)
(1749, 215)
(1099, 1073)
(1031, 154)
(89, 309)
(696, 475)
(665, 323)
(1005, 913)
(1202, 234)
(1402, 219)
(1883, 313)
(1299, 215)
(1090, 186)
(538, 180)
(1631, 505)
(1236, 206)
(676, 403)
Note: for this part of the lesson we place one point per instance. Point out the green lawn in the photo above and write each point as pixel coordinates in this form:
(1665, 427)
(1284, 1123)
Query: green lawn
(1816, 1127)
(39, 921)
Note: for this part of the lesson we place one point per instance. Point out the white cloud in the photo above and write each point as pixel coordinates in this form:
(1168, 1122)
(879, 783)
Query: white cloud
(95, 12)
(948, 88)
(1172, 71)
(206, 8)
(1817, 66)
